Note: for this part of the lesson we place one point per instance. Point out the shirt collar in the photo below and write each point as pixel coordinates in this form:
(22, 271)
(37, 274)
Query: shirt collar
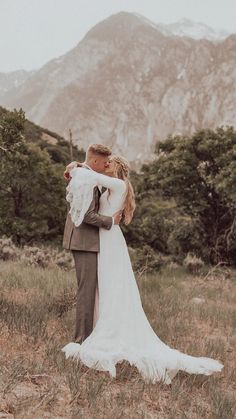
(86, 165)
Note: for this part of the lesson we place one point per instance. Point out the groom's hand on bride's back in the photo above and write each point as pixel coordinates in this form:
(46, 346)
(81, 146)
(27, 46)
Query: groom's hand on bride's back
(117, 217)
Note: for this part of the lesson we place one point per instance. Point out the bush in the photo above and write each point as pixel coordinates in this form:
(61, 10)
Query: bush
(36, 256)
(8, 251)
(147, 260)
(186, 237)
(44, 257)
(193, 264)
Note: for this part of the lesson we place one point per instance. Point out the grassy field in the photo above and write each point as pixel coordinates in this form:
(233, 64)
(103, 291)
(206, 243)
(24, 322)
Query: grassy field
(37, 319)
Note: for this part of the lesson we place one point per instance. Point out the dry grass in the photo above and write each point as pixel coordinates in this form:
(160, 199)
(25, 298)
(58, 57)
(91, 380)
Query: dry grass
(37, 319)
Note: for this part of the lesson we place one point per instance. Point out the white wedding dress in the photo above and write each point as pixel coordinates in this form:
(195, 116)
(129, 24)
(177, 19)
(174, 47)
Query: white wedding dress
(122, 331)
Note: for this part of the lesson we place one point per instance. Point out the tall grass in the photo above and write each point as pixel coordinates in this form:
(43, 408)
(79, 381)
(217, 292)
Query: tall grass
(37, 319)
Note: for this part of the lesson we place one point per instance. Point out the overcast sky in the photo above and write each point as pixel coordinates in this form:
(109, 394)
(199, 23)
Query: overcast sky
(34, 31)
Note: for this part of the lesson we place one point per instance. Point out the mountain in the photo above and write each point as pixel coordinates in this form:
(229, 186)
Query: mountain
(195, 30)
(128, 85)
(13, 80)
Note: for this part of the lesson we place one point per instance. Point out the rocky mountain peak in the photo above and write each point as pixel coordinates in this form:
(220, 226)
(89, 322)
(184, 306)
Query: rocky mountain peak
(194, 30)
(127, 85)
(120, 25)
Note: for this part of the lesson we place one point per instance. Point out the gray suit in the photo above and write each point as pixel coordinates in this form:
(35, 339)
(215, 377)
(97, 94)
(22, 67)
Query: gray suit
(83, 241)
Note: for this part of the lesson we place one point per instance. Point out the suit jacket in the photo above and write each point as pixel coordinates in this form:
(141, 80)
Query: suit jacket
(86, 236)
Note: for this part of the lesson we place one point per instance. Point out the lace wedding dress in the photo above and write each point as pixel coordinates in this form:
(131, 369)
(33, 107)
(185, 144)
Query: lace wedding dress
(122, 331)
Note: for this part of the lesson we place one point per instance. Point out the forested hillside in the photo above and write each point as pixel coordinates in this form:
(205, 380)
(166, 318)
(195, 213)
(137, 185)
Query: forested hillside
(32, 189)
(186, 199)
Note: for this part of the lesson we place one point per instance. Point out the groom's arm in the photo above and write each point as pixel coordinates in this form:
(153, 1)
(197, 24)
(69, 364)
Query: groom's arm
(98, 220)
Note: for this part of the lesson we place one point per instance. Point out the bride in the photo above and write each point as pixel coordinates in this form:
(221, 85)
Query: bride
(122, 331)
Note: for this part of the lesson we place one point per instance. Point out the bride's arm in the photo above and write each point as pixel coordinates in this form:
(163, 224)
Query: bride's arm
(111, 183)
(81, 192)
(97, 179)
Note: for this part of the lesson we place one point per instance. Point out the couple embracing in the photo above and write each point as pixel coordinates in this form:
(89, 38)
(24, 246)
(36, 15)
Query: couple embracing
(111, 325)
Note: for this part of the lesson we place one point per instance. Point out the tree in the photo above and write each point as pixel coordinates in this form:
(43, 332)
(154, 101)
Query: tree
(200, 174)
(153, 216)
(32, 204)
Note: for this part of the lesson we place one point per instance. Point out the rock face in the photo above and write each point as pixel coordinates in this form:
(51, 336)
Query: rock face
(13, 80)
(185, 27)
(128, 85)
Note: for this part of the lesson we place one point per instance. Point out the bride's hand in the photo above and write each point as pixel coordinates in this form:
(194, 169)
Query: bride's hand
(69, 167)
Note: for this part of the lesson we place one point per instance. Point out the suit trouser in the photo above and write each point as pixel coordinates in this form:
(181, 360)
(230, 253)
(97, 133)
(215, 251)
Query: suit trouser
(86, 272)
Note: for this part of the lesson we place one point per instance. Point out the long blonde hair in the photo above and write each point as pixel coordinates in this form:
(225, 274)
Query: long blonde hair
(122, 172)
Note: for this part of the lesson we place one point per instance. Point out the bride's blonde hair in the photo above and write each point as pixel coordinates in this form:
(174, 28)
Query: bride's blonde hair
(122, 171)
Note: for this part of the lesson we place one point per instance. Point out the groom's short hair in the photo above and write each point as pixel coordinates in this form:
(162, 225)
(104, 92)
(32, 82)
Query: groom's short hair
(98, 149)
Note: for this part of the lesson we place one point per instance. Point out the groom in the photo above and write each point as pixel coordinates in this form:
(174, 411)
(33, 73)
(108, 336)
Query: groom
(83, 241)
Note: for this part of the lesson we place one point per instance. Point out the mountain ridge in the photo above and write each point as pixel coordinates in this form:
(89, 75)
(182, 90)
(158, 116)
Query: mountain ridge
(128, 85)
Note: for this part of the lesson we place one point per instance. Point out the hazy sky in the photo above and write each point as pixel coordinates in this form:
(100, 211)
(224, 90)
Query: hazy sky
(34, 31)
